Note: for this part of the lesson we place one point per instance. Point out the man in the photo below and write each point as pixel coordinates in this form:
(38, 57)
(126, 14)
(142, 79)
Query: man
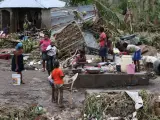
(43, 45)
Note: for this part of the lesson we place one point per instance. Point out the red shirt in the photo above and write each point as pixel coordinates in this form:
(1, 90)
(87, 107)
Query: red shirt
(57, 73)
(44, 44)
(102, 39)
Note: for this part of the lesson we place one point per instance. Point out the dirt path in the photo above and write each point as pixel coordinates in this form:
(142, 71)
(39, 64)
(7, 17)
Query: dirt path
(38, 91)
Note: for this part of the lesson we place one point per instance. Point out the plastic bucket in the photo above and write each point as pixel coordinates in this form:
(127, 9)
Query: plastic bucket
(131, 69)
(16, 78)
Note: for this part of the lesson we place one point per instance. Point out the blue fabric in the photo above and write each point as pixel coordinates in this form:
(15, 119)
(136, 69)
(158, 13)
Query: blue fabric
(103, 52)
(19, 45)
(137, 55)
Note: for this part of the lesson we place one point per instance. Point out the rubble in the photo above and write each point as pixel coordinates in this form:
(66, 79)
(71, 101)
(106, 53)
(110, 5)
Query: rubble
(69, 40)
(101, 105)
(8, 43)
(118, 105)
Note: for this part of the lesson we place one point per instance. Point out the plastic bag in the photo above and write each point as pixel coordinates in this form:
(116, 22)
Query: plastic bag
(50, 80)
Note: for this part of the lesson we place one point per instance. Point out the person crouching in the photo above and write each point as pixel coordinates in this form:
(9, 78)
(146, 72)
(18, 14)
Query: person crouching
(136, 54)
(80, 59)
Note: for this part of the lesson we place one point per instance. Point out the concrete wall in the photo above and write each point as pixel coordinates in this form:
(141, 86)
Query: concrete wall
(46, 18)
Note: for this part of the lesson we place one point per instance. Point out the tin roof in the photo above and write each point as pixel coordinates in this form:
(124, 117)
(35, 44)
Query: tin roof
(51, 3)
(31, 4)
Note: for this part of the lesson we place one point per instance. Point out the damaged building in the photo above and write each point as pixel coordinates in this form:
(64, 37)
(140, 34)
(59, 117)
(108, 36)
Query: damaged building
(12, 13)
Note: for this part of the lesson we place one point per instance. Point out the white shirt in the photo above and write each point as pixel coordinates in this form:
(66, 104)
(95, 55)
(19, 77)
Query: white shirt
(133, 48)
(51, 50)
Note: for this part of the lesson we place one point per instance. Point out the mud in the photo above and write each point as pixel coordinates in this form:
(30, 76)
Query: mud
(37, 90)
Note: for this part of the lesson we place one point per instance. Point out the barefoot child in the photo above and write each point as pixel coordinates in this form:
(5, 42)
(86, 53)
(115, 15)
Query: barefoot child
(136, 54)
(17, 60)
(57, 76)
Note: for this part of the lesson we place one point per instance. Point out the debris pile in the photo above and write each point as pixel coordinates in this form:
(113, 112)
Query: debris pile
(31, 113)
(69, 40)
(118, 105)
(7, 43)
(113, 104)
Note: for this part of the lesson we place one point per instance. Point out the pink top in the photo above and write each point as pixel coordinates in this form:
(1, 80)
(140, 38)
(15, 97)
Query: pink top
(102, 39)
(44, 44)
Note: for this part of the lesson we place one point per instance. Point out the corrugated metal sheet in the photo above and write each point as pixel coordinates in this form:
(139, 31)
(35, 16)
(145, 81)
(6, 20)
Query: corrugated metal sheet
(61, 17)
(20, 4)
(52, 3)
(31, 4)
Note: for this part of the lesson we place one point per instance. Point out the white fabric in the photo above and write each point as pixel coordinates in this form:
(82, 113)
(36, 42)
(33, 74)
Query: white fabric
(149, 59)
(133, 48)
(51, 50)
(50, 79)
(136, 98)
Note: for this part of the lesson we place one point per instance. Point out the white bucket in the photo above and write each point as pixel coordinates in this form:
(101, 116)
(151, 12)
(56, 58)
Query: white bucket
(16, 78)
(125, 60)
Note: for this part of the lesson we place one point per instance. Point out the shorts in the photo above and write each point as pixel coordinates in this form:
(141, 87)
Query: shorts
(103, 52)
(137, 55)
(44, 56)
(58, 86)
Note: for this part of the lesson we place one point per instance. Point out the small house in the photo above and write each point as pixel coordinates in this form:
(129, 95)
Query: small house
(13, 13)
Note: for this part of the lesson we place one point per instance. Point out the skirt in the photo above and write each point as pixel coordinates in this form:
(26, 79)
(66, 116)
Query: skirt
(137, 55)
(20, 64)
(103, 52)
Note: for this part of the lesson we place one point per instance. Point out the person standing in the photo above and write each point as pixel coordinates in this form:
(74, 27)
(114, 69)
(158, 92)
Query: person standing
(57, 91)
(51, 52)
(17, 60)
(43, 45)
(103, 45)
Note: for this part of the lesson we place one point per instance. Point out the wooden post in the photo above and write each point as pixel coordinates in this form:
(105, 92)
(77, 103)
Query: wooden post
(11, 23)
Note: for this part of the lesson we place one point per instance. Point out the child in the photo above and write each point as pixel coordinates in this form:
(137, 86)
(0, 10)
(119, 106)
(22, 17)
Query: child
(136, 56)
(51, 52)
(80, 59)
(57, 76)
(17, 60)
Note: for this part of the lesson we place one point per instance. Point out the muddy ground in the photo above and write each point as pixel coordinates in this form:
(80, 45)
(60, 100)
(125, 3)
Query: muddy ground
(36, 90)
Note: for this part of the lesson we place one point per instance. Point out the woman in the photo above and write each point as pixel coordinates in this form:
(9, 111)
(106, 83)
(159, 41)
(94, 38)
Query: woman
(103, 45)
(44, 44)
(17, 60)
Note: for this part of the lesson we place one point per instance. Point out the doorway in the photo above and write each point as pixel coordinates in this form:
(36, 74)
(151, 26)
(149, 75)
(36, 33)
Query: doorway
(5, 18)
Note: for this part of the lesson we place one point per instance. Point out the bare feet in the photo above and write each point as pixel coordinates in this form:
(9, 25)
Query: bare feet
(43, 70)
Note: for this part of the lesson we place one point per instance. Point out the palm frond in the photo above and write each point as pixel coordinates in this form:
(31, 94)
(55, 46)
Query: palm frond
(108, 14)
